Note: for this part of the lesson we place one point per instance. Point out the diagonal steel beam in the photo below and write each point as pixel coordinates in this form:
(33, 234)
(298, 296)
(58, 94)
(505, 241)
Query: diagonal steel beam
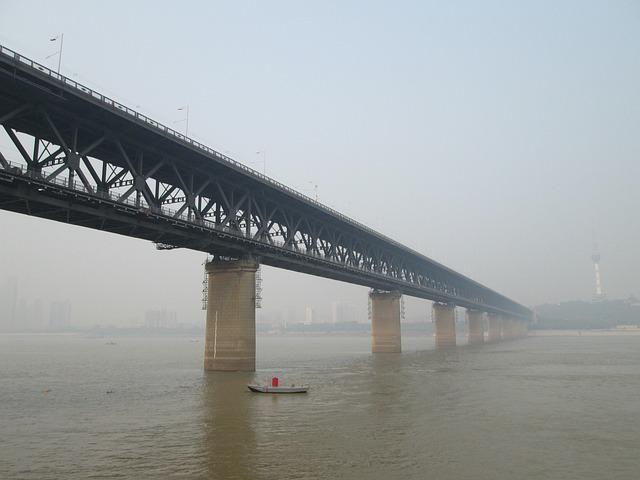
(15, 112)
(84, 180)
(92, 171)
(61, 140)
(18, 145)
(3, 161)
(92, 146)
(127, 194)
(50, 156)
(55, 173)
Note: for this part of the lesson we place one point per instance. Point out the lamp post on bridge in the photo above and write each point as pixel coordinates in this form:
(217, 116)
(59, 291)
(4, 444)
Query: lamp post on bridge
(59, 52)
(315, 189)
(264, 160)
(185, 109)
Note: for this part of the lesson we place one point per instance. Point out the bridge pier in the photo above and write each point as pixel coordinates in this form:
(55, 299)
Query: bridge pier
(230, 334)
(512, 326)
(506, 327)
(520, 328)
(475, 327)
(494, 327)
(445, 324)
(385, 322)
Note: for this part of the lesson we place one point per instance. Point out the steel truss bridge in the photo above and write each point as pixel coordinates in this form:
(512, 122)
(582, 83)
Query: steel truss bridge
(82, 158)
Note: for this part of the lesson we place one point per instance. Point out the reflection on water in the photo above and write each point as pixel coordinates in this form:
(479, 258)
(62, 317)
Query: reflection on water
(538, 408)
(228, 423)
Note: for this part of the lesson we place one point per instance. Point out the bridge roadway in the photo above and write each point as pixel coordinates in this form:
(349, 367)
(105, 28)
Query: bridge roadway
(82, 158)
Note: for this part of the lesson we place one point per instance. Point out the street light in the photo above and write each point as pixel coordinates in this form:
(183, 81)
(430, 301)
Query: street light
(315, 188)
(59, 52)
(185, 109)
(264, 160)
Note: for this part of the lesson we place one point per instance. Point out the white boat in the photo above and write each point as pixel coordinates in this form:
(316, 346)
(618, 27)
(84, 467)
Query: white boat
(279, 389)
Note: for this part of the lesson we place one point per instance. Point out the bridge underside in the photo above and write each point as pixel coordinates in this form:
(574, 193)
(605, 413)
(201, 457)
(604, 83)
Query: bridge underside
(40, 199)
(82, 158)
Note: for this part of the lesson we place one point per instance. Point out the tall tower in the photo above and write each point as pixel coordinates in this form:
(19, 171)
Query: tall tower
(598, 295)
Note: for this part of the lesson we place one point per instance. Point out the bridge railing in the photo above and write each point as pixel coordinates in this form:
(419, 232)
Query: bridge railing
(143, 207)
(167, 214)
(140, 118)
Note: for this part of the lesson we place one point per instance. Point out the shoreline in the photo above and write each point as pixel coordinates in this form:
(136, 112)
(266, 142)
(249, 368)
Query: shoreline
(585, 333)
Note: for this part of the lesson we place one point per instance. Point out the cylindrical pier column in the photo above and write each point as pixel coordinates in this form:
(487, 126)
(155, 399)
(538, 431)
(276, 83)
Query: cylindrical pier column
(493, 327)
(513, 328)
(385, 322)
(230, 335)
(506, 328)
(475, 327)
(445, 324)
(521, 328)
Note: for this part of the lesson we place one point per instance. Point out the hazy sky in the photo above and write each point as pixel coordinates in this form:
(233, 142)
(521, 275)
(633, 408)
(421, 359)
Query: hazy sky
(493, 136)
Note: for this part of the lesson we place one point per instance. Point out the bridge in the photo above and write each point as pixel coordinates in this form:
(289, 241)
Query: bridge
(83, 158)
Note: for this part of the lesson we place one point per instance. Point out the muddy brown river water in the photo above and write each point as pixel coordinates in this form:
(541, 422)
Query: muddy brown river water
(540, 408)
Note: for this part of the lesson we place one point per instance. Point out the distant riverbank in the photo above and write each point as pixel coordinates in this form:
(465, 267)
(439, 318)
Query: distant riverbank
(579, 333)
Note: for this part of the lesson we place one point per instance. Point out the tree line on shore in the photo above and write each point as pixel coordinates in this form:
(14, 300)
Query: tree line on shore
(586, 315)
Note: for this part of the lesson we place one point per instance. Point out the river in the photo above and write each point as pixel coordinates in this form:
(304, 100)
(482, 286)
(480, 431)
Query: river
(73, 407)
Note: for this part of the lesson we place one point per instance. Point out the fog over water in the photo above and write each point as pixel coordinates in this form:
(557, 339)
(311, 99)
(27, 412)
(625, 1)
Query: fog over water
(494, 137)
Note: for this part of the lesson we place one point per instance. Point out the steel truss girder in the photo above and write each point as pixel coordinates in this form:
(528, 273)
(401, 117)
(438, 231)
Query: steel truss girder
(230, 216)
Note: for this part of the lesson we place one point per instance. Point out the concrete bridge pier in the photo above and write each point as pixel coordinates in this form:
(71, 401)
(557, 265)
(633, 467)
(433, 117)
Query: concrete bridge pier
(475, 327)
(445, 324)
(515, 328)
(494, 328)
(521, 328)
(507, 332)
(230, 334)
(385, 322)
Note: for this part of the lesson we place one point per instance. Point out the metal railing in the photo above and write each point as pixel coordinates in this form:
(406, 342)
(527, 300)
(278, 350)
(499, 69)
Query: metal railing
(64, 182)
(143, 207)
(169, 214)
(119, 107)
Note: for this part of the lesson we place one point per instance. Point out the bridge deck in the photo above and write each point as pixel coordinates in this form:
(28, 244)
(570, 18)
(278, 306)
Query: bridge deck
(86, 159)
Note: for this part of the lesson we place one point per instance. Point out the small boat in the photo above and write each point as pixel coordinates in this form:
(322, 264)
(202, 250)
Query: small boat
(268, 389)
(276, 388)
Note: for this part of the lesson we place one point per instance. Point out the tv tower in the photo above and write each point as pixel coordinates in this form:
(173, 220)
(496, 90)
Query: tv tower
(598, 296)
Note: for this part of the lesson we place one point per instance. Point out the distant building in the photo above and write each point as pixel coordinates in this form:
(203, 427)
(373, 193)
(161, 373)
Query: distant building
(584, 315)
(37, 316)
(598, 294)
(343, 313)
(8, 304)
(20, 316)
(59, 315)
(160, 319)
(308, 316)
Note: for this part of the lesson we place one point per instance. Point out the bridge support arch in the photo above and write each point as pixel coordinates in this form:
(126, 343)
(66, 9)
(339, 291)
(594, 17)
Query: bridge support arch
(230, 334)
(385, 322)
(475, 327)
(444, 319)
